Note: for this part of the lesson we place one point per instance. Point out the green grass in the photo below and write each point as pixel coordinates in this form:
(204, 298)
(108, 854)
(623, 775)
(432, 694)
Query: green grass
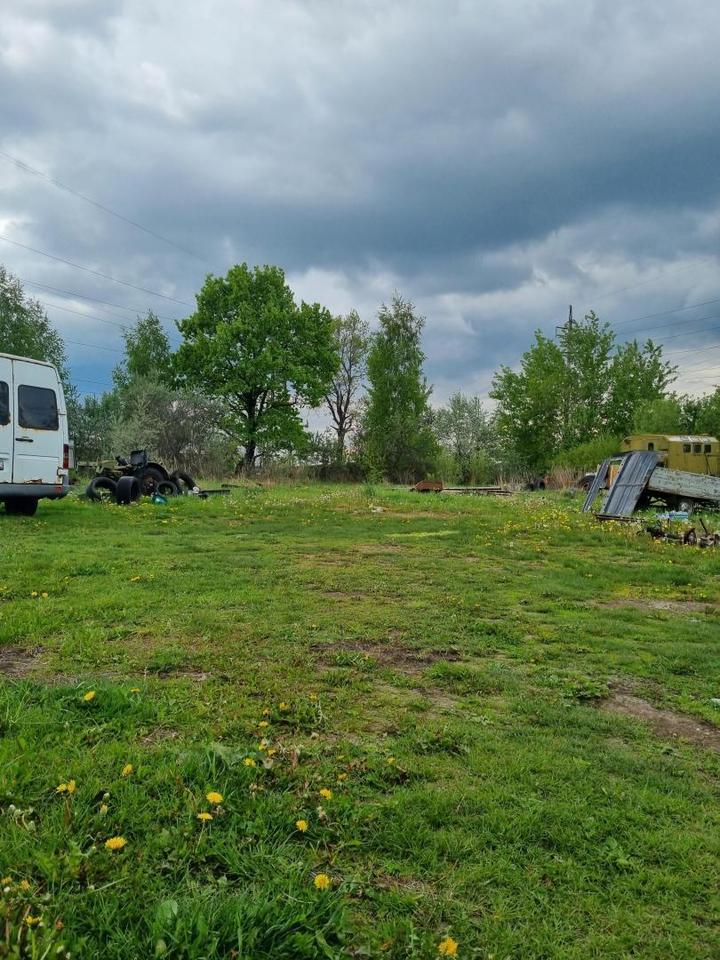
(440, 662)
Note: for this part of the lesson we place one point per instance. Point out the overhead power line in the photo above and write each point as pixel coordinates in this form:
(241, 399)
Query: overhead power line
(96, 273)
(664, 313)
(83, 296)
(85, 316)
(652, 279)
(100, 206)
(92, 346)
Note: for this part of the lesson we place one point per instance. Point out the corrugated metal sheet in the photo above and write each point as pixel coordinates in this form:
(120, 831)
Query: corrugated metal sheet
(629, 484)
(596, 485)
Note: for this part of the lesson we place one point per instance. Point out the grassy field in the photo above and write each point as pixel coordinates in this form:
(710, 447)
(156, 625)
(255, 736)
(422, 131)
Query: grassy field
(419, 712)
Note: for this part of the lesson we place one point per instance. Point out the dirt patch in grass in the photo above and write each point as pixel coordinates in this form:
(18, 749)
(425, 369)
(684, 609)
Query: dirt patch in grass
(664, 723)
(671, 606)
(182, 674)
(158, 735)
(392, 654)
(375, 549)
(17, 663)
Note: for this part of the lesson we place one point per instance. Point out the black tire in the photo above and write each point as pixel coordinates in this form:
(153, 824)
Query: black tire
(180, 478)
(101, 488)
(149, 478)
(167, 488)
(128, 490)
(686, 504)
(22, 506)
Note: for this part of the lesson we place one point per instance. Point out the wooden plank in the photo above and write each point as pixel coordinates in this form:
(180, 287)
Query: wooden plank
(696, 486)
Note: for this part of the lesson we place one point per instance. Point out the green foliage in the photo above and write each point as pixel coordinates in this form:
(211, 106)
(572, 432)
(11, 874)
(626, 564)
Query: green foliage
(586, 456)
(397, 438)
(468, 440)
(249, 345)
(569, 392)
(352, 338)
(24, 327)
(147, 352)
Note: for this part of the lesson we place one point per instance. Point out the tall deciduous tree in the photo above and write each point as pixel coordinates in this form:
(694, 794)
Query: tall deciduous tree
(147, 352)
(352, 337)
(397, 425)
(574, 390)
(24, 327)
(467, 433)
(249, 344)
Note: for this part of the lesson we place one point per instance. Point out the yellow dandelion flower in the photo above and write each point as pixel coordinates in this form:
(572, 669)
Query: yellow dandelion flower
(104, 808)
(249, 762)
(34, 593)
(135, 690)
(264, 723)
(214, 797)
(326, 794)
(90, 695)
(32, 921)
(322, 881)
(266, 712)
(342, 777)
(5, 881)
(134, 579)
(127, 769)
(391, 761)
(25, 885)
(301, 825)
(448, 947)
(71, 786)
(61, 788)
(271, 751)
(312, 696)
(44, 595)
(205, 816)
(115, 843)
(283, 706)
(261, 747)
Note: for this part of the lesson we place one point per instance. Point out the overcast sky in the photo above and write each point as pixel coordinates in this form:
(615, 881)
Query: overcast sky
(492, 161)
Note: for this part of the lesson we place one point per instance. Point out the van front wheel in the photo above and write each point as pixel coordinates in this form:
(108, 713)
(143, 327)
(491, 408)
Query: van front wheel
(22, 506)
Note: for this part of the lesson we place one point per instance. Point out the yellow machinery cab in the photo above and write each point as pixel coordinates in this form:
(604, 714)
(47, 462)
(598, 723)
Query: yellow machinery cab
(693, 454)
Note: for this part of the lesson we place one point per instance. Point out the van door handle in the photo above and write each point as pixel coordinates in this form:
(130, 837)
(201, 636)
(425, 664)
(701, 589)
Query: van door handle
(24, 439)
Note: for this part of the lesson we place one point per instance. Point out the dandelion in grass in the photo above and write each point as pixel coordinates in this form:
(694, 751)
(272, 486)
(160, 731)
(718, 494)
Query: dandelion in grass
(322, 881)
(326, 794)
(204, 816)
(271, 751)
(266, 712)
(90, 695)
(115, 843)
(25, 885)
(249, 762)
(302, 825)
(44, 595)
(392, 761)
(448, 947)
(135, 690)
(127, 769)
(134, 579)
(214, 797)
(32, 921)
(282, 707)
(264, 723)
(103, 809)
(342, 777)
(34, 593)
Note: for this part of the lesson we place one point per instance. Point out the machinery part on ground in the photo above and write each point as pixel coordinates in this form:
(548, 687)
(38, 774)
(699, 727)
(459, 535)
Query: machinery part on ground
(181, 478)
(167, 488)
(21, 506)
(128, 490)
(537, 483)
(149, 478)
(101, 488)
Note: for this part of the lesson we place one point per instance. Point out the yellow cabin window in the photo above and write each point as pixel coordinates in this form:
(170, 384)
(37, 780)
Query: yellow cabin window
(708, 448)
(686, 448)
(697, 448)
(651, 446)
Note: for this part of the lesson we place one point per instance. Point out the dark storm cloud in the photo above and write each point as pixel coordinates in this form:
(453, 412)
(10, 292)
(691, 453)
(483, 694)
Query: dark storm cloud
(494, 162)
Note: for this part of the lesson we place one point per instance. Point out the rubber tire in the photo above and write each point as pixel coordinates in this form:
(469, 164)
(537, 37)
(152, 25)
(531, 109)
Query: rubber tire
(149, 478)
(128, 490)
(22, 506)
(686, 504)
(101, 483)
(167, 488)
(179, 478)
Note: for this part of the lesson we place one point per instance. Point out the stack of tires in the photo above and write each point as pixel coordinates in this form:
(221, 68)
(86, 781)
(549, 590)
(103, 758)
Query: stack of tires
(150, 481)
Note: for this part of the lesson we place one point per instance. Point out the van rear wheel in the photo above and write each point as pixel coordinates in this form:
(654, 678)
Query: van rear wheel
(22, 506)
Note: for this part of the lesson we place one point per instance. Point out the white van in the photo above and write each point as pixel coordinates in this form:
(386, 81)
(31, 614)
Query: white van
(34, 444)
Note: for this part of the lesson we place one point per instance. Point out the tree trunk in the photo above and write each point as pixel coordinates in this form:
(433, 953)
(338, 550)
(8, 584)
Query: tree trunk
(249, 457)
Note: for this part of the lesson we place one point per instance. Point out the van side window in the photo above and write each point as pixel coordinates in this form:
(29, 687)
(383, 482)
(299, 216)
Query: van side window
(708, 448)
(686, 448)
(697, 448)
(37, 408)
(4, 404)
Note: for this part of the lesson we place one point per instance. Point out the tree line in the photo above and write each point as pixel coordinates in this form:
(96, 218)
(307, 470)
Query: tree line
(252, 362)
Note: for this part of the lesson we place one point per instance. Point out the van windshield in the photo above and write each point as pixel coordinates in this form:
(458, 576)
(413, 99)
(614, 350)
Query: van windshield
(4, 404)
(37, 408)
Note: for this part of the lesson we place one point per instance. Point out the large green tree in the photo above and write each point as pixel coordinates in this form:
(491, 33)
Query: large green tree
(468, 435)
(24, 327)
(575, 389)
(250, 345)
(398, 440)
(147, 352)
